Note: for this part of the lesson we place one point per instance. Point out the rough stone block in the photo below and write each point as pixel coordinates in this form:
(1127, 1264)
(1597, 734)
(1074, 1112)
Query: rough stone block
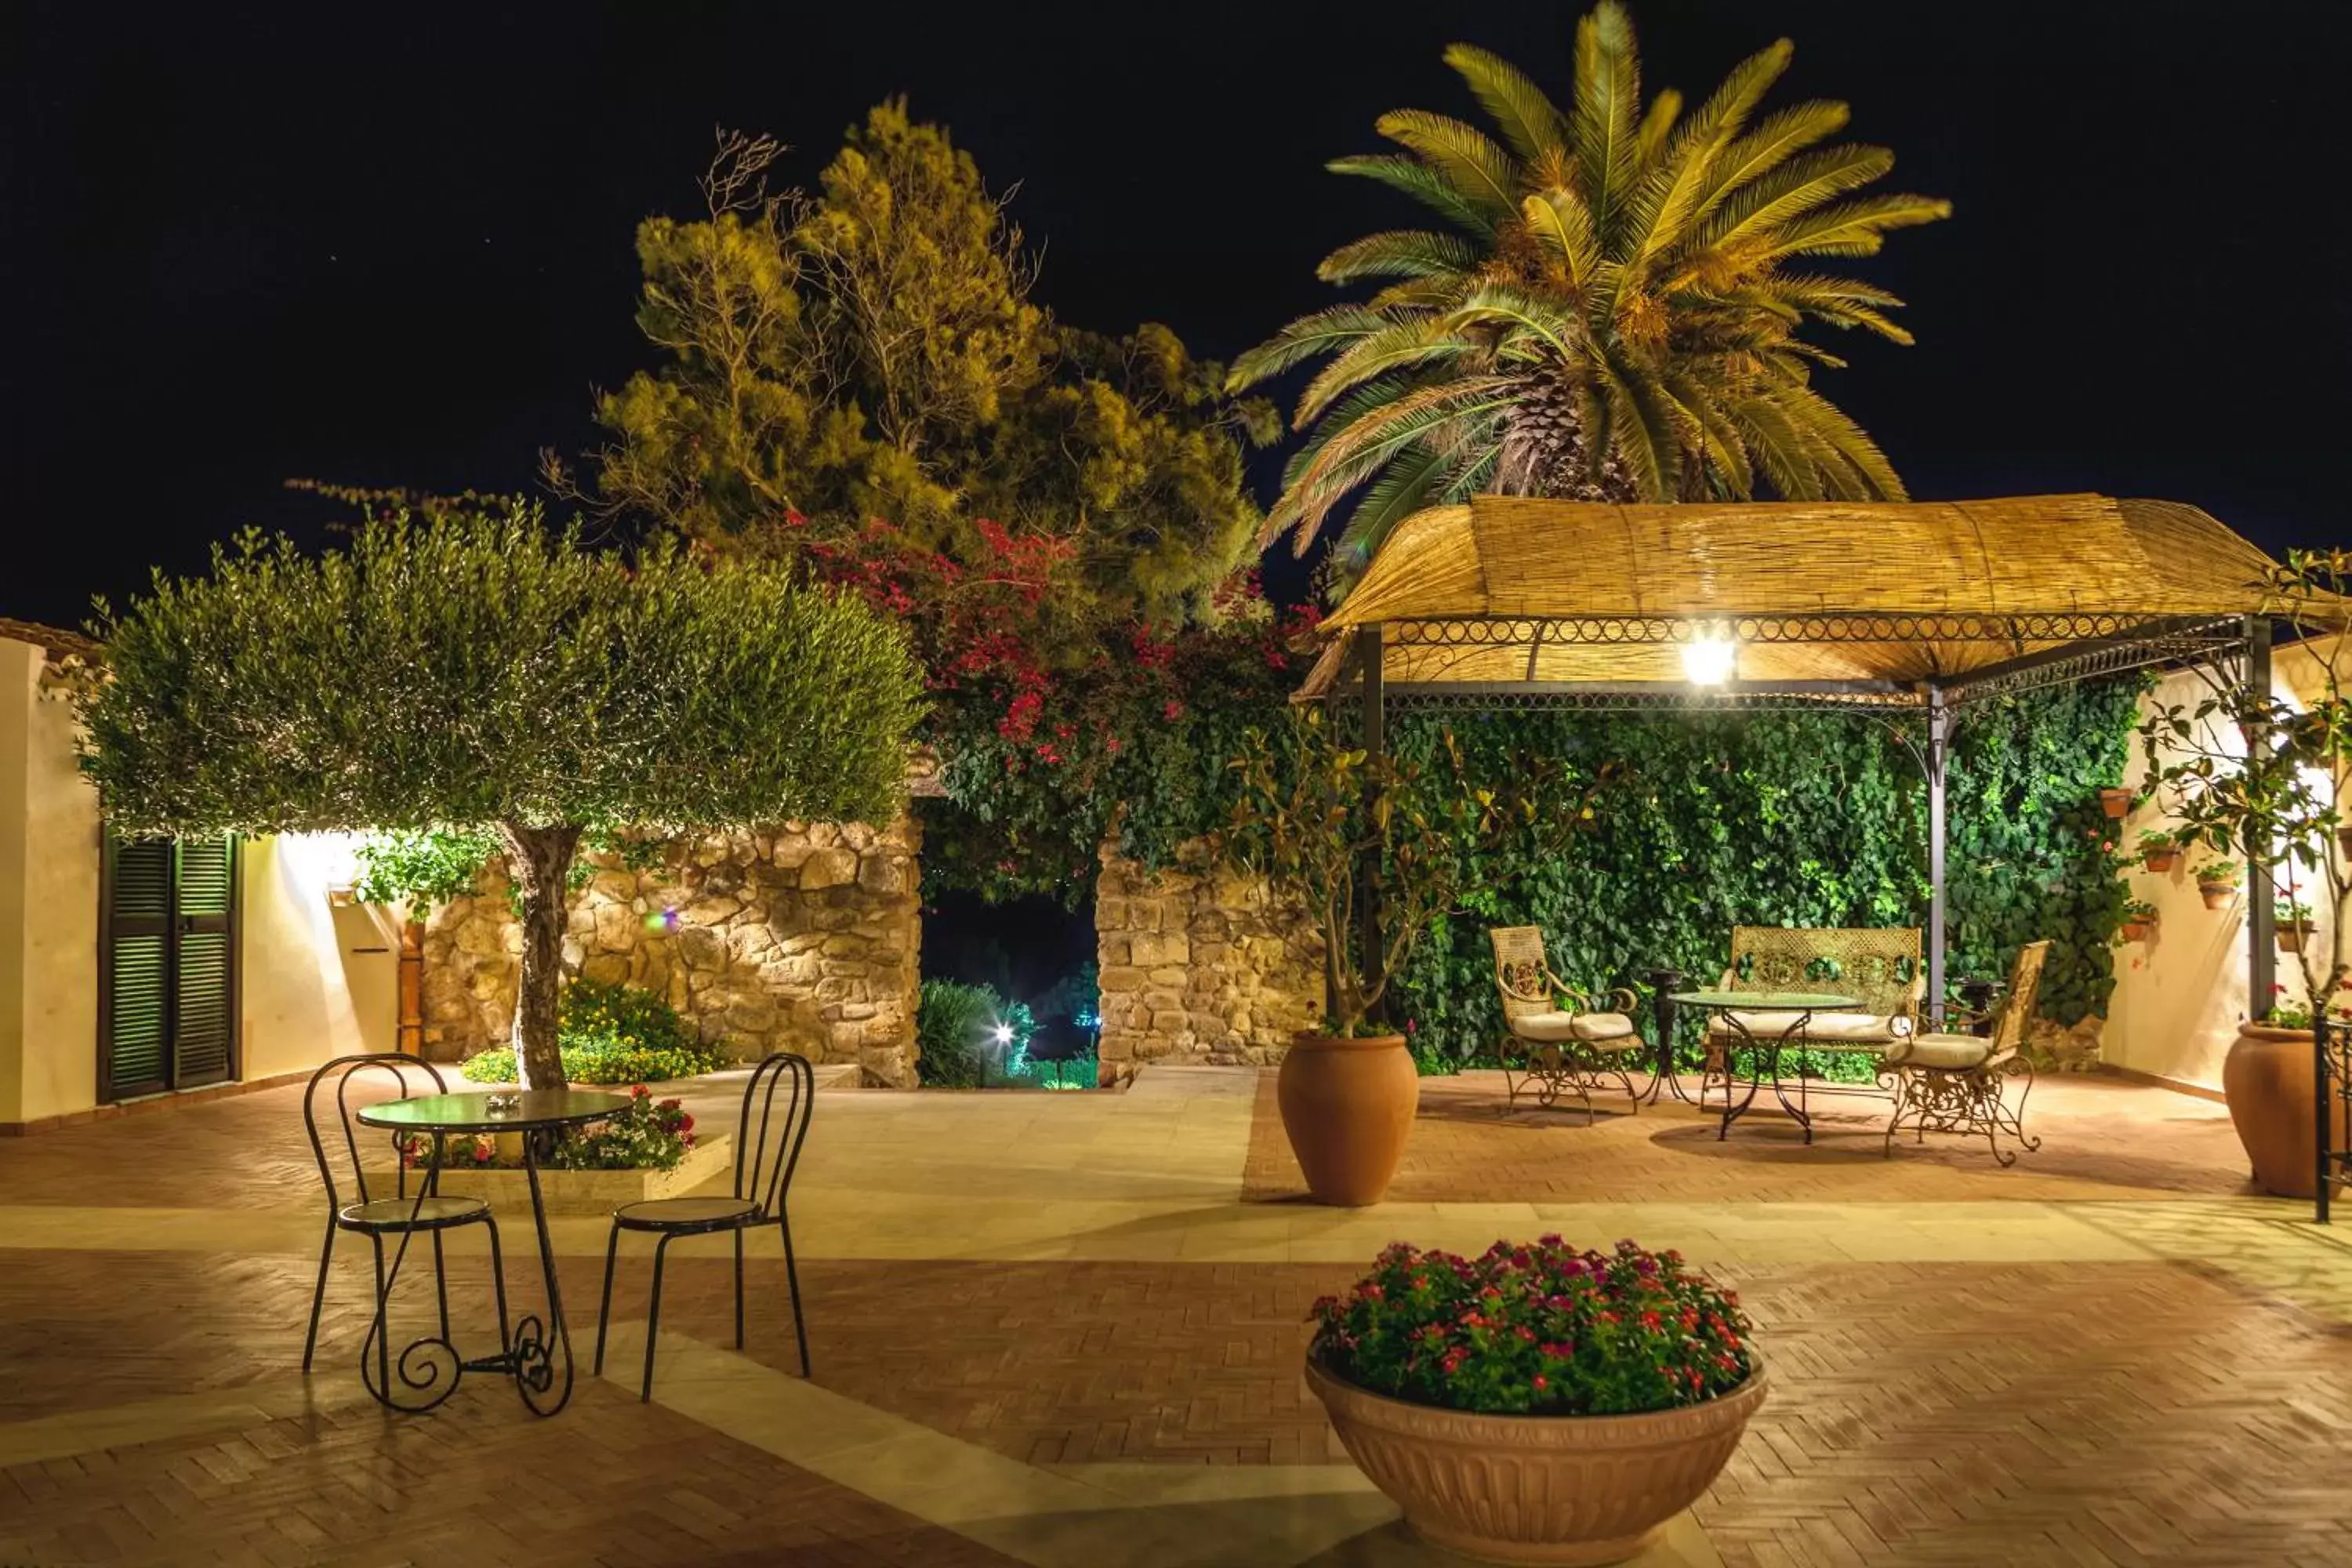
(830, 868)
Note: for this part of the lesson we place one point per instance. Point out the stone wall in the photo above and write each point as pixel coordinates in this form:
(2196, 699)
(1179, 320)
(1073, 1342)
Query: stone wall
(1196, 965)
(804, 939)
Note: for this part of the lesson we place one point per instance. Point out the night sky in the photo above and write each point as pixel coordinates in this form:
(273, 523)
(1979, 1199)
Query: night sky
(396, 250)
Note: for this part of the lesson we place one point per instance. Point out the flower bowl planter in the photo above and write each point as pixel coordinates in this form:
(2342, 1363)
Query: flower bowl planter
(575, 1191)
(1347, 1107)
(2116, 802)
(1555, 1489)
(2268, 1079)
(2217, 895)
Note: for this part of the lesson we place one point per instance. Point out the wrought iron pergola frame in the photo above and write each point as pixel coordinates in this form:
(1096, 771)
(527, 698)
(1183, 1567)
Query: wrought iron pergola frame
(2049, 649)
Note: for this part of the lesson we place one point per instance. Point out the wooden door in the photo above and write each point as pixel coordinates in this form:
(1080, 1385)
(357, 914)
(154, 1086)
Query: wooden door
(167, 965)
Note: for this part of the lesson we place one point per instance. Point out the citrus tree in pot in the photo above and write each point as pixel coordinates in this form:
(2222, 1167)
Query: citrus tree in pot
(1315, 820)
(2248, 770)
(1537, 1404)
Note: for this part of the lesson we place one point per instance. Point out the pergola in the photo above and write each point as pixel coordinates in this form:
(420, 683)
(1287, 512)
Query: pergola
(1879, 610)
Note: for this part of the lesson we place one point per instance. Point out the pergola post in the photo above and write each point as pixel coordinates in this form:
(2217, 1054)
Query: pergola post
(1374, 738)
(1939, 738)
(2262, 919)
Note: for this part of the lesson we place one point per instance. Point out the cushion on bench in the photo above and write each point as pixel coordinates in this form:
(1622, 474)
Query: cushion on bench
(1589, 1028)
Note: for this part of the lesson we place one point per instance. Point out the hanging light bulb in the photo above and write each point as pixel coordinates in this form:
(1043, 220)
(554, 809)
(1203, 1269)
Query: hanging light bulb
(1711, 657)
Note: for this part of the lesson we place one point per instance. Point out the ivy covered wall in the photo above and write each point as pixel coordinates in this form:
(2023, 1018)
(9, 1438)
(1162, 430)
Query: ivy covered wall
(1796, 819)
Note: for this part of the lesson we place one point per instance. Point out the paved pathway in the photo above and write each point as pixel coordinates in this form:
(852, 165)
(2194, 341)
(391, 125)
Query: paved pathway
(1064, 1330)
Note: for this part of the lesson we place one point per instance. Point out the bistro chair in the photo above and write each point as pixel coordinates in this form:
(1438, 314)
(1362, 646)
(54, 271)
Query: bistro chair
(1561, 1040)
(1958, 1082)
(398, 1213)
(764, 1179)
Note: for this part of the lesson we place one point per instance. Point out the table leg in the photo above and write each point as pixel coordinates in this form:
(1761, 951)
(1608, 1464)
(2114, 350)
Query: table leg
(1801, 1112)
(537, 1342)
(1733, 1112)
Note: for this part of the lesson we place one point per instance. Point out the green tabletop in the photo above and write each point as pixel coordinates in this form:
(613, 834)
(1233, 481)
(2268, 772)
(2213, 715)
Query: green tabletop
(472, 1113)
(1767, 1001)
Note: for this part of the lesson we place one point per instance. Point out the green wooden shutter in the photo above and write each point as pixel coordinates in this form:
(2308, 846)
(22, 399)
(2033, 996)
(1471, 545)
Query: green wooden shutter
(203, 980)
(136, 1031)
(167, 954)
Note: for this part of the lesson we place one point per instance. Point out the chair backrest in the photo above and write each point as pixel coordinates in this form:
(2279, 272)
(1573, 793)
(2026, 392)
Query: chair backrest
(1880, 966)
(382, 1065)
(765, 1156)
(2024, 989)
(1522, 974)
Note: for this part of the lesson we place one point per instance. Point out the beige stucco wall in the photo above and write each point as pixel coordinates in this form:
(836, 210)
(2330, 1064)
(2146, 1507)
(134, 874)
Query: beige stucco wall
(2179, 996)
(48, 902)
(318, 981)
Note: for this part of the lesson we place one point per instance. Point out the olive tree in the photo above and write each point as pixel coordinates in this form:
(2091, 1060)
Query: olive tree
(477, 670)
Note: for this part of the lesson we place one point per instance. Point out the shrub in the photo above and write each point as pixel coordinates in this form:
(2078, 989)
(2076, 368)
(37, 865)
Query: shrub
(1542, 1330)
(951, 1023)
(612, 1034)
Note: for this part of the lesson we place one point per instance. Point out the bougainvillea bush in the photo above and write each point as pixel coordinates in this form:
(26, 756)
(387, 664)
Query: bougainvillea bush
(1541, 1329)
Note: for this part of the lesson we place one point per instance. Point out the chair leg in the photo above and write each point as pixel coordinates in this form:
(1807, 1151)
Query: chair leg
(319, 1296)
(382, 1324)
(441, 1286)
(739, 1289)
(604, 1306)
(653, 1321)
(793, 1283)
(1895, 1116)
(498, 1285)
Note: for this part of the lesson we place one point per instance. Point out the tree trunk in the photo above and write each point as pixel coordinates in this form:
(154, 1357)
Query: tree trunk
(540, 859)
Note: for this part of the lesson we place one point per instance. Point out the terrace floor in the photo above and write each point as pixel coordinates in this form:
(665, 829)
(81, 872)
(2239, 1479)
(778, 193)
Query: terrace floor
(1064, 1330)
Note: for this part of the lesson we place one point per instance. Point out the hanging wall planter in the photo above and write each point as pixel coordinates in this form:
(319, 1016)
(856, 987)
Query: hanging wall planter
(2217, 882)
(2115, 802)
(2293, 934)
(2159, 850)
(2139, 923)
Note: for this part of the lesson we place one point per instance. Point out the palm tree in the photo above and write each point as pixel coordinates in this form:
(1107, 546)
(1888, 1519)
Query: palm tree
(1612, 311)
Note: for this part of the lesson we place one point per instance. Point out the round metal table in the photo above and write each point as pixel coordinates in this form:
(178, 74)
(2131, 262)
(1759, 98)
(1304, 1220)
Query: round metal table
(530, 1357)
(1728, 1006)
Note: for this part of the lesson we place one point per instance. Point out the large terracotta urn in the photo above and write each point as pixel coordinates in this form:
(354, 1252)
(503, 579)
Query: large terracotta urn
(2269, 1079)
(1347, 1107)
(1576, 1490)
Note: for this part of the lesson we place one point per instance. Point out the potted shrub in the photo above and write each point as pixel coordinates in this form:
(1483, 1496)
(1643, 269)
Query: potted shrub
(2280, 798)
(2115, 801)
(1315, 820)
(1537, 1404)
(2139, 922)
(2159, 850)
(2217, 882)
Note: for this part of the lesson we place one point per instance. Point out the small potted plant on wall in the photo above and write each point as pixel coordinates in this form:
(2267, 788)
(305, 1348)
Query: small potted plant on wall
(2115, 801)
(2242, 769)
(1316, 820)
(2139, 922)
(2217, 882)
(2159, 850)
(1537, 1404)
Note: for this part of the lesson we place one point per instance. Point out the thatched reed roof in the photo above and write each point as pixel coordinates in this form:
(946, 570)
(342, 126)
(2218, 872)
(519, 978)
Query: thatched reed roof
(1522, 590)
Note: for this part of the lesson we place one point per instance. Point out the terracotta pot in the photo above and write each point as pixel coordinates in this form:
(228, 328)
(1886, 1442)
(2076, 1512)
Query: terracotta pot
(2343, 841)
(2291, 934)
(2137, 931)
(1581, 1490)
(1347, 1106)
(2268, 1077)
(2217, 894)
(2115, 802)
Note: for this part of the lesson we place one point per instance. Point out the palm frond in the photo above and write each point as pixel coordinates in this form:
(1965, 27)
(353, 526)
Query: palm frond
(1399, 346)
(1658, 125)
(1399, 253)
(1528, 119)
(1402, 488)
(1721, 442)
(1644, 425)
(1563, 226)
(1757, 210)
(1323, 331)
(1423, 184)
(1671, 194)
(1855, 227)
(1471, 162)
(1782, 136)
(1811, 409)
(1556, 325)
(1602, 128)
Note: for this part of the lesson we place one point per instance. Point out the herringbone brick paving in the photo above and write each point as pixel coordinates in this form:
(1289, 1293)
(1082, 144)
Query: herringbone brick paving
(2102, 1138)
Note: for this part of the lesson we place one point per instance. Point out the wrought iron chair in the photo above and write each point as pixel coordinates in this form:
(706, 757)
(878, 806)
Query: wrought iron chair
(763, 1180)
(1957, 1082)
(400, 1215)
(1560, 1041)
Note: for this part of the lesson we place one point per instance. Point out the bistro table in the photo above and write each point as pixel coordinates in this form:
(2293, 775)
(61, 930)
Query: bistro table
(540, 1115)
(1728, 1006)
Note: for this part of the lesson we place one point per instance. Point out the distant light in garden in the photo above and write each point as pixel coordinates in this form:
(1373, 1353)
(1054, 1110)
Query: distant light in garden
(1710, 658)
(1002, 1034)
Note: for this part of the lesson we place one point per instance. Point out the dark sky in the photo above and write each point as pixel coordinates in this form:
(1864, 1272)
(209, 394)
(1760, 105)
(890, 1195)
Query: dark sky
(246, 245)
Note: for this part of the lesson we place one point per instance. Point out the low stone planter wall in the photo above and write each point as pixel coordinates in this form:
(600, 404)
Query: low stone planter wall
(579, 1192)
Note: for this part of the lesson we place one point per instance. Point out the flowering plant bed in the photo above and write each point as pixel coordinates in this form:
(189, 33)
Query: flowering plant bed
(1537, 1404)
(1541, 1329)
(649, 1150)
